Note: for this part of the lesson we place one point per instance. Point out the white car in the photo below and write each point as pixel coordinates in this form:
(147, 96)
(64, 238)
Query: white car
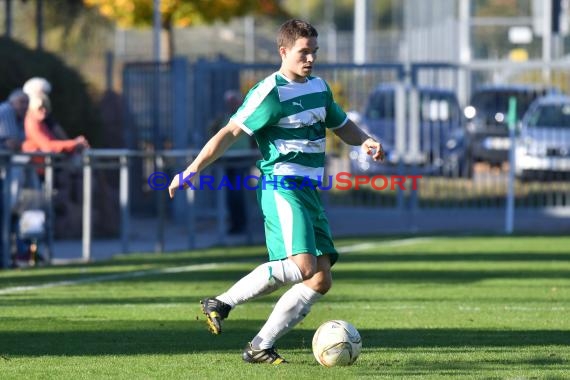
(543, 148)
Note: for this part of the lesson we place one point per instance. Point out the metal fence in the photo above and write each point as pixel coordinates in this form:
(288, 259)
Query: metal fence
(434, 206)
(120, 163)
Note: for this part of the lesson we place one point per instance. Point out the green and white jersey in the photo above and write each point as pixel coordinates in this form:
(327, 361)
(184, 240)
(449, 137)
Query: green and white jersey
(288, 121)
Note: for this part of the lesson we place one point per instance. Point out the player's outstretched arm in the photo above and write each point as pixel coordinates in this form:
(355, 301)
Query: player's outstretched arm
(351, 134)
(213, 149)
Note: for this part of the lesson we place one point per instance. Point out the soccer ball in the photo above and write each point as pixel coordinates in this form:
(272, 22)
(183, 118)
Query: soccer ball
(336, 343)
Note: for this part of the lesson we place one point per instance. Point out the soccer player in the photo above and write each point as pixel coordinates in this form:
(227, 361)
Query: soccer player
(287, 113)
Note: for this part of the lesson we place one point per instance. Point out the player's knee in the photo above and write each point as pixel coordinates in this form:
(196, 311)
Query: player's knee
(324, 285)
(307, 271)
(307, 265)
(321, 282)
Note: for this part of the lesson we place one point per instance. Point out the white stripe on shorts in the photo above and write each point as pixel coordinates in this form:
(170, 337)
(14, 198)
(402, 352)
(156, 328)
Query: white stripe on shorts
(286, 220)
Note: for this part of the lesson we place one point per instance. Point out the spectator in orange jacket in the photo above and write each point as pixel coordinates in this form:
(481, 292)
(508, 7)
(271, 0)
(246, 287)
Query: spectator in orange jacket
(39, 137)
(38, 86)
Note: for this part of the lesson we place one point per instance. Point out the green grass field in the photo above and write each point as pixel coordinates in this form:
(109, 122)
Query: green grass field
(431, 307)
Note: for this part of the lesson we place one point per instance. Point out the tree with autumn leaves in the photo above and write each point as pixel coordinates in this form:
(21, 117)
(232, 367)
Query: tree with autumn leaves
(181, 13)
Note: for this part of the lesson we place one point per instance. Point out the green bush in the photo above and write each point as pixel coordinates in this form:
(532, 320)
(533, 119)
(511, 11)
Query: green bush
(72, 103)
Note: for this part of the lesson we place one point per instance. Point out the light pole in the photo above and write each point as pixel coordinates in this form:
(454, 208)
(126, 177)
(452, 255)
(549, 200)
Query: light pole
(360, 28)
(156, 30)
(8, 18)
(463, 89)
(40, 24)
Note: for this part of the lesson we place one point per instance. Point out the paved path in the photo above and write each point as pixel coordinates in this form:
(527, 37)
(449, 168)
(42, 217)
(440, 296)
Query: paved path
(345, 222)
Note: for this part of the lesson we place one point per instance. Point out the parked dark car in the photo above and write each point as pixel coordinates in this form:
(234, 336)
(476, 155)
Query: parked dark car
(543, 147)
(439, 117)
(486, 128)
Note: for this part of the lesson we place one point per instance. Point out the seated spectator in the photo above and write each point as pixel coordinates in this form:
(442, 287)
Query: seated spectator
(39, 137)
(67, 178)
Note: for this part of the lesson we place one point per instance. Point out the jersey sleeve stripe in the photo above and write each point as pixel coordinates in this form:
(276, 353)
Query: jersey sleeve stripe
(253, 101)
(243, 126)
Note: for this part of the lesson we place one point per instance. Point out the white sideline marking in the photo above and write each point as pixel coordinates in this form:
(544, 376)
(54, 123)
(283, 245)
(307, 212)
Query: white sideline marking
(189, 268)
(391, 243)
(112, 277)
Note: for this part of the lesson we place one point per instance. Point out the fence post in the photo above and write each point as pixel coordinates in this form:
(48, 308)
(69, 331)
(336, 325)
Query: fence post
(49, 198)
(159, 196)
(180, 139)
(124, 201)
(510, 211)
(5, 233)
(400, 137)
(87, 192)
(221, 207)
(191, 218)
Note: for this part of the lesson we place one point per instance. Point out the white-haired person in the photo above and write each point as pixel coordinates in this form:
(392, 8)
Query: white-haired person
(38, 135)
(41, 87)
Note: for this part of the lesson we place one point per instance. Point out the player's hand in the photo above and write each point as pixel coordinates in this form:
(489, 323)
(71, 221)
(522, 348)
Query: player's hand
(81, 143)
(187, 176)
(373, 148)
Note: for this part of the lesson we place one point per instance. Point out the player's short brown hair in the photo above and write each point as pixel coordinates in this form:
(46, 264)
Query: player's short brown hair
(291, 30)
